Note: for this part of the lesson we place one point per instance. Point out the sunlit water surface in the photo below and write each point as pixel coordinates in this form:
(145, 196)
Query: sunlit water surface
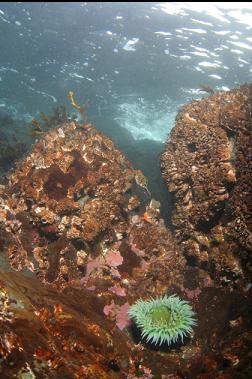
(136, 64)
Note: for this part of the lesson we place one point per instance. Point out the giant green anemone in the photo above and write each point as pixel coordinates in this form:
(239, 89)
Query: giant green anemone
(163, 320)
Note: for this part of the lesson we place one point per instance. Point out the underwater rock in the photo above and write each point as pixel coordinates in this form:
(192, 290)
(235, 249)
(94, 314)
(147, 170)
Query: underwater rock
(207, 165)
(44, 333)
(67, 211)
(80, 224)
(66, 216)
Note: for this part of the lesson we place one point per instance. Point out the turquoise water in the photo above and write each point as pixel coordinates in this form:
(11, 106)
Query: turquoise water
(135, 63)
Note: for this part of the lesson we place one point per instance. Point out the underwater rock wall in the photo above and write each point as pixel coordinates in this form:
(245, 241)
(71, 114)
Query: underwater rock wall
(80, 226)
(207, 165)
(48, 334)
(75, 208)
(77, 217)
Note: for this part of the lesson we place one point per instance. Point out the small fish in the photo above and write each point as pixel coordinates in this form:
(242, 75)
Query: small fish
(141, 180)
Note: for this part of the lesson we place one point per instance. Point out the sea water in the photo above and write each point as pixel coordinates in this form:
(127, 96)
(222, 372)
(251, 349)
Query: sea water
(135, 63)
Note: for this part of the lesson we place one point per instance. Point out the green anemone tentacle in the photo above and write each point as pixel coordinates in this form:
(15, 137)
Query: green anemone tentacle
(163, 320)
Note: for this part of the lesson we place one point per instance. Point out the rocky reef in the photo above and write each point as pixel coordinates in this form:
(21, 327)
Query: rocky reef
(75, 208)
(82, 239)
(207, 165)
(78, 217)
